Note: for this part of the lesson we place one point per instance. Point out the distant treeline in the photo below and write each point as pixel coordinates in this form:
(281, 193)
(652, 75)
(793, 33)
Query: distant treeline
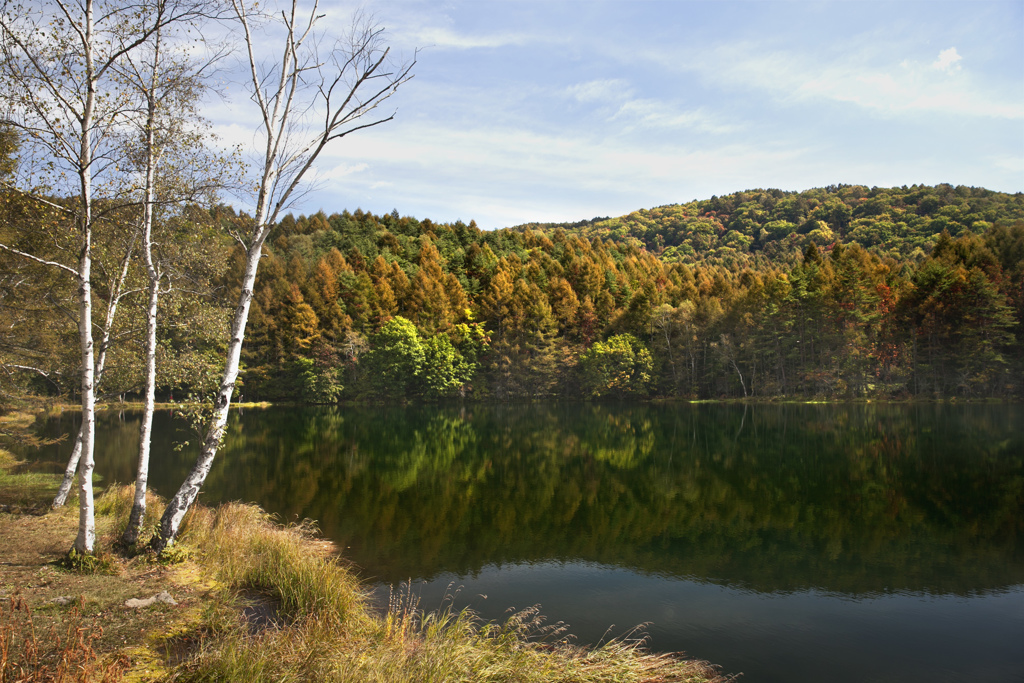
(768, 224)
(837, 292)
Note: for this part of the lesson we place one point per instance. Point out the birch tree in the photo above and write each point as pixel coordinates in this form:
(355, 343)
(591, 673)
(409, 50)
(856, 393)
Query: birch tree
(314, 92)
(115, 293)
(57, 91)
(175, 167)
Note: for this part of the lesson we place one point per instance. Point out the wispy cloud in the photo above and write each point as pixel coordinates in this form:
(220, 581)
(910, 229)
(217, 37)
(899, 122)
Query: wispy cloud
(440, 37)
(341, 171)
(857, 76)
(914, 87)
(617, 97)
(505, 175)
(606, 91)
(657, 114)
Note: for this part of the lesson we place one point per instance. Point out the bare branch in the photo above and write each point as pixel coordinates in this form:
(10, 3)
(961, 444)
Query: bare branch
(37, 259)
(282, 110)
(38, 371)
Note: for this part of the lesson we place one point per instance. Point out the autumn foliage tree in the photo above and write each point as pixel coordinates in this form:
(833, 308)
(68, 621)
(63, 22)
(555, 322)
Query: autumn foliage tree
(840, 319)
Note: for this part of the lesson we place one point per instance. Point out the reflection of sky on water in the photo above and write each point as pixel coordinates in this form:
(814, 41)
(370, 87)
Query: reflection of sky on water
(788, 636)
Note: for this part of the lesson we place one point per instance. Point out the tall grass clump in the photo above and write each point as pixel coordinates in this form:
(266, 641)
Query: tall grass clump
(435, 647)
(332, 634)
(458, 646)
(245, 548)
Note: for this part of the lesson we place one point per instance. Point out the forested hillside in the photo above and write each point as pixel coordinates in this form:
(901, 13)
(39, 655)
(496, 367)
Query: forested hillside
(837, 292)
(894, 222)
(840, 292)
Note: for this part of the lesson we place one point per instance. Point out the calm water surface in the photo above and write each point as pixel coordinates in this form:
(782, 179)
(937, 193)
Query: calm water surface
(791, 543)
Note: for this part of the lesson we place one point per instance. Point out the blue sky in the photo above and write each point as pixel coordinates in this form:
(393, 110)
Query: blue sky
(558, 111)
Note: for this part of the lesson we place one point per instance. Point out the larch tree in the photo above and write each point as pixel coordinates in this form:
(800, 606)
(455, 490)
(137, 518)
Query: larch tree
(315, 93)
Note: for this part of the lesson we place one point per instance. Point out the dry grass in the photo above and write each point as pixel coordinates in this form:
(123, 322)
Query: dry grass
(330, 634)
(64, 654)
(245, 549)
(322, 628)
(94, 630)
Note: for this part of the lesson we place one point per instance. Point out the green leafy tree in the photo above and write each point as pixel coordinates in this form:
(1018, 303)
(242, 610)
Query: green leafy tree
(319, 384)
(395, 358)
(444, 370)
(619, 367)
(451, 360)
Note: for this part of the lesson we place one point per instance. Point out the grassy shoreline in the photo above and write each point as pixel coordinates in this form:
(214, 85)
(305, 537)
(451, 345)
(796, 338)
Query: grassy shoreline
(656, 400)
(256, 601)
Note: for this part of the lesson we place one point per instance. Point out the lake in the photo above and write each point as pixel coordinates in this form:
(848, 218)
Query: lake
(788, 542)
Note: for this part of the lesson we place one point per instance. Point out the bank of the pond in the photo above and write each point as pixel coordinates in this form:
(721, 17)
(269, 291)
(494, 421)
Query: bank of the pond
(653, 400)
(253, 601)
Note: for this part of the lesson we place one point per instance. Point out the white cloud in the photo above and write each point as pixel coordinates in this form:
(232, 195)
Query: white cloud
(658, 114)
(948, 60)
(502, 175)
(618, 95)
(608, 90)
(233, 134)
(341, 171)
(859, 77)
(445, 38)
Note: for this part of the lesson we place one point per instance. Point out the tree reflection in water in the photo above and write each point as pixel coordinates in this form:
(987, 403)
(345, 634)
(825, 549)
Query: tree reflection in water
(851, 499)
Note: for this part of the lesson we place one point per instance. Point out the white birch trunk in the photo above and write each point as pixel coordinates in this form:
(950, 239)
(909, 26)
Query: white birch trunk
(737, 369)
(101, 360)
(86, 539)
(138, 513)
(186, 496)
(69, 472)
(178, 506)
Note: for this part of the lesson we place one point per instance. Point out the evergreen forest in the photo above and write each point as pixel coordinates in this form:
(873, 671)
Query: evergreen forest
(832, 293)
